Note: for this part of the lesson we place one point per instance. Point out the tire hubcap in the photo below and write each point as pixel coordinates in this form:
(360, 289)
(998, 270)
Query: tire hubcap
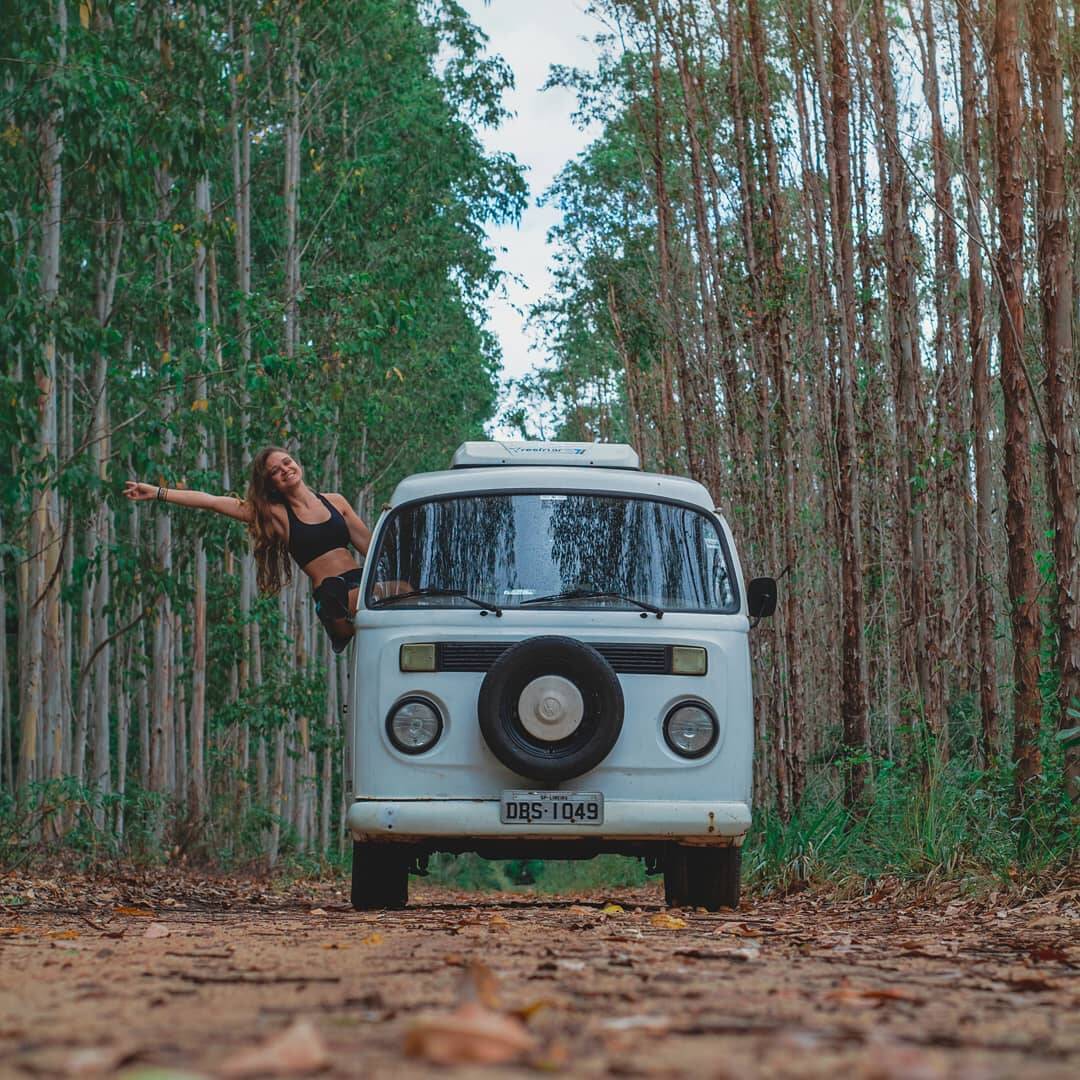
(551, 708)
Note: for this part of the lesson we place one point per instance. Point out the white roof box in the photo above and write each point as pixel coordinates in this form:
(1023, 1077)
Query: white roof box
(472, 455)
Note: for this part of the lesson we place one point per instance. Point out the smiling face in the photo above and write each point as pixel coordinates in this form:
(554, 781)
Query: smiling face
(283, 471)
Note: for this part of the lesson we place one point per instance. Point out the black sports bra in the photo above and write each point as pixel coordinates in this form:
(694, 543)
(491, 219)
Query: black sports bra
(309, 541)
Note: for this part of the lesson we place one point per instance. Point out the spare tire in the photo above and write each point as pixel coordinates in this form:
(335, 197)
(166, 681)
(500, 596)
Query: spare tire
(550, 708)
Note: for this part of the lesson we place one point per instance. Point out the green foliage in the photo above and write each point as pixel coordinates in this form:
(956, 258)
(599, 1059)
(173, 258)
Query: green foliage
(542, 876)
(958, 822)
(90, 819)
(389, 369)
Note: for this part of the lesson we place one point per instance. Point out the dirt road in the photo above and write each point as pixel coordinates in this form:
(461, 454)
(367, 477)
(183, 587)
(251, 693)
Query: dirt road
(98, 977)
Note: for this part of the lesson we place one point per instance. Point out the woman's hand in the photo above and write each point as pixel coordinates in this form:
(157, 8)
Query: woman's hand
(139, 492)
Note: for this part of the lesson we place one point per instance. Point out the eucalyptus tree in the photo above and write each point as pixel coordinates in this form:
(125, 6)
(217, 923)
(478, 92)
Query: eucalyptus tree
(762, 243)
(228, 224)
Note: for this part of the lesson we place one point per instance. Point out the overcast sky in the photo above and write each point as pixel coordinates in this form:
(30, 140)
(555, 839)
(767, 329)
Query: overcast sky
(531, 37)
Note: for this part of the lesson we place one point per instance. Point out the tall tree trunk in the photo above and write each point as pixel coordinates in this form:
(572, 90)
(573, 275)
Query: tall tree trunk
(180, 764)
(779, 335)
(41, 705)
(907, 366)
(981, 414)
(1022, 577)
(99, 541)
(249, 672)
(665, 275)
(51, 535)
(1056, 289)
(77, 762)
(6, 775)
(197, 717)
(162, 722)
(292, 192)
(122, 697)
(854, 706)
(953, 376)
(699, 377)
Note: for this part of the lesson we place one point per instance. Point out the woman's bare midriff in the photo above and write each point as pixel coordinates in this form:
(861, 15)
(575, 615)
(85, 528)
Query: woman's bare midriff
(330, 564)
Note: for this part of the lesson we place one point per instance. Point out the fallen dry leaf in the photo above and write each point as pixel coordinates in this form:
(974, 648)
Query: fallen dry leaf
(1055, 954)
(316, 911)
(741, 929)
(1051, 921)
(374, 938)
(96, 1060)
(498, 920)
(658, 1025)
(298, 1050)
(612, 909)
(527, 1012)
(469, 1034)
(157, 1072)
(554, 1058)
(565, 965)
(480, 984)
(157, 930)
(740, 955)
(62, 935)
(137, 913)
(8, 931)
(871, 997)
(1019, 979)
(664, 921)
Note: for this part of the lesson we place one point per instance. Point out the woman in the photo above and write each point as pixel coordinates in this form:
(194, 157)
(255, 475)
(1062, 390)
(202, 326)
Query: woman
(286, 518)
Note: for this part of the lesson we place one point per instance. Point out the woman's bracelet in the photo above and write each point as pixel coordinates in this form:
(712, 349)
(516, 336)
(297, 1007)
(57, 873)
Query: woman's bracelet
(161, 493)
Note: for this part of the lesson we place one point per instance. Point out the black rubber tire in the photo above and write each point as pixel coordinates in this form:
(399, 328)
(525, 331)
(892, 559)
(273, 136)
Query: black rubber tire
(380, 876)
(676, 887)
(579, 752)
(702, 877)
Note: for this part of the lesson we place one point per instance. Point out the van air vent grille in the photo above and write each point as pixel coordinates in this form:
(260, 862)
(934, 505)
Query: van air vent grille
(626, 659)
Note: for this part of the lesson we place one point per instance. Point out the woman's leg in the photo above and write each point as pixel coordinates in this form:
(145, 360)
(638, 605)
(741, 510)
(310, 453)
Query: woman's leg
(341, 627)
(335, 604)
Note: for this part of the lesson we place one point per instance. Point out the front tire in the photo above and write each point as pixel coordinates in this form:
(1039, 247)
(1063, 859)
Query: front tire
(380, 876)
(705, 877)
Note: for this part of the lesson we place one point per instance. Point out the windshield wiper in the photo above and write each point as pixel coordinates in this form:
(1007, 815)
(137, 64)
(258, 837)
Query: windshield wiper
(438, 592)
(593, 594)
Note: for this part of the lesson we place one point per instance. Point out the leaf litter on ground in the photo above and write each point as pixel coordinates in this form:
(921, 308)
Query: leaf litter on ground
(475, 1032)
(297, 1051)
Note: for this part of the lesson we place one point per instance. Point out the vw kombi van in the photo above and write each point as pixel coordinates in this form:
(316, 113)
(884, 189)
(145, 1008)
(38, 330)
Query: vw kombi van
(551, 661)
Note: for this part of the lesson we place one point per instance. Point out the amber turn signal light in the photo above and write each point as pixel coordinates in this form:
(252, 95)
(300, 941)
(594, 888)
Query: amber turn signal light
(417, 657)
(689, 660)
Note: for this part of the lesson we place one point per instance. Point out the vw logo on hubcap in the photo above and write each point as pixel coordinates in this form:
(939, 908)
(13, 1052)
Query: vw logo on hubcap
(551, 708)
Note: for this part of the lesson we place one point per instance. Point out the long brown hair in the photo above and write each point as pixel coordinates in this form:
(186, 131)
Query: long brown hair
(272, 563)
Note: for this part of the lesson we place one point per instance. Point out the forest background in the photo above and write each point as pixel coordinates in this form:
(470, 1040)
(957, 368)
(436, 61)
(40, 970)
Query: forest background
(823, 258)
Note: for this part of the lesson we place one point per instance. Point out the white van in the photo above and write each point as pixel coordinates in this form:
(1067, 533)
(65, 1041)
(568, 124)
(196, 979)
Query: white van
(551, 661)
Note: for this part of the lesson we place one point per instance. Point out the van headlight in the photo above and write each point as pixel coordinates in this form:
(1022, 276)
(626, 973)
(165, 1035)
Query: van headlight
(691, 730)
(414, 725)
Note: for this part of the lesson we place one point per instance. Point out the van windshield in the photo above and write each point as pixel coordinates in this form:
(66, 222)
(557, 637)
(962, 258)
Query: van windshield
(520, 550)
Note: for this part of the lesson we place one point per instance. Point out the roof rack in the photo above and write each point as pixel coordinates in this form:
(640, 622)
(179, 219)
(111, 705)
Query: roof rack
(472, 455)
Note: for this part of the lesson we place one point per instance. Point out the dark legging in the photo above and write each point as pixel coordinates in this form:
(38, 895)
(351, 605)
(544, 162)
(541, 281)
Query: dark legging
(332, 603)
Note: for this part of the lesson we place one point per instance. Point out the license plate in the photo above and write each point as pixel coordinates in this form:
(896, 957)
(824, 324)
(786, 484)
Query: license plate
(552, 808)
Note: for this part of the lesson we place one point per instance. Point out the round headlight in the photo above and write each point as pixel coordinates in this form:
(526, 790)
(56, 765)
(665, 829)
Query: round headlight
(414, 725)
(691, 730)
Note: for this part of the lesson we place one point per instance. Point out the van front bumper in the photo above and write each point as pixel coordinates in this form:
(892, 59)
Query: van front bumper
(412, 820)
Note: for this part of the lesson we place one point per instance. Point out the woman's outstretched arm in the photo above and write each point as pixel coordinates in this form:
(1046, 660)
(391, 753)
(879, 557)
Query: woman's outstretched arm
(228, 505)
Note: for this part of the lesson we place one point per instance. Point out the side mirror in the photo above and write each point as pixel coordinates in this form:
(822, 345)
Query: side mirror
(761, 597)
